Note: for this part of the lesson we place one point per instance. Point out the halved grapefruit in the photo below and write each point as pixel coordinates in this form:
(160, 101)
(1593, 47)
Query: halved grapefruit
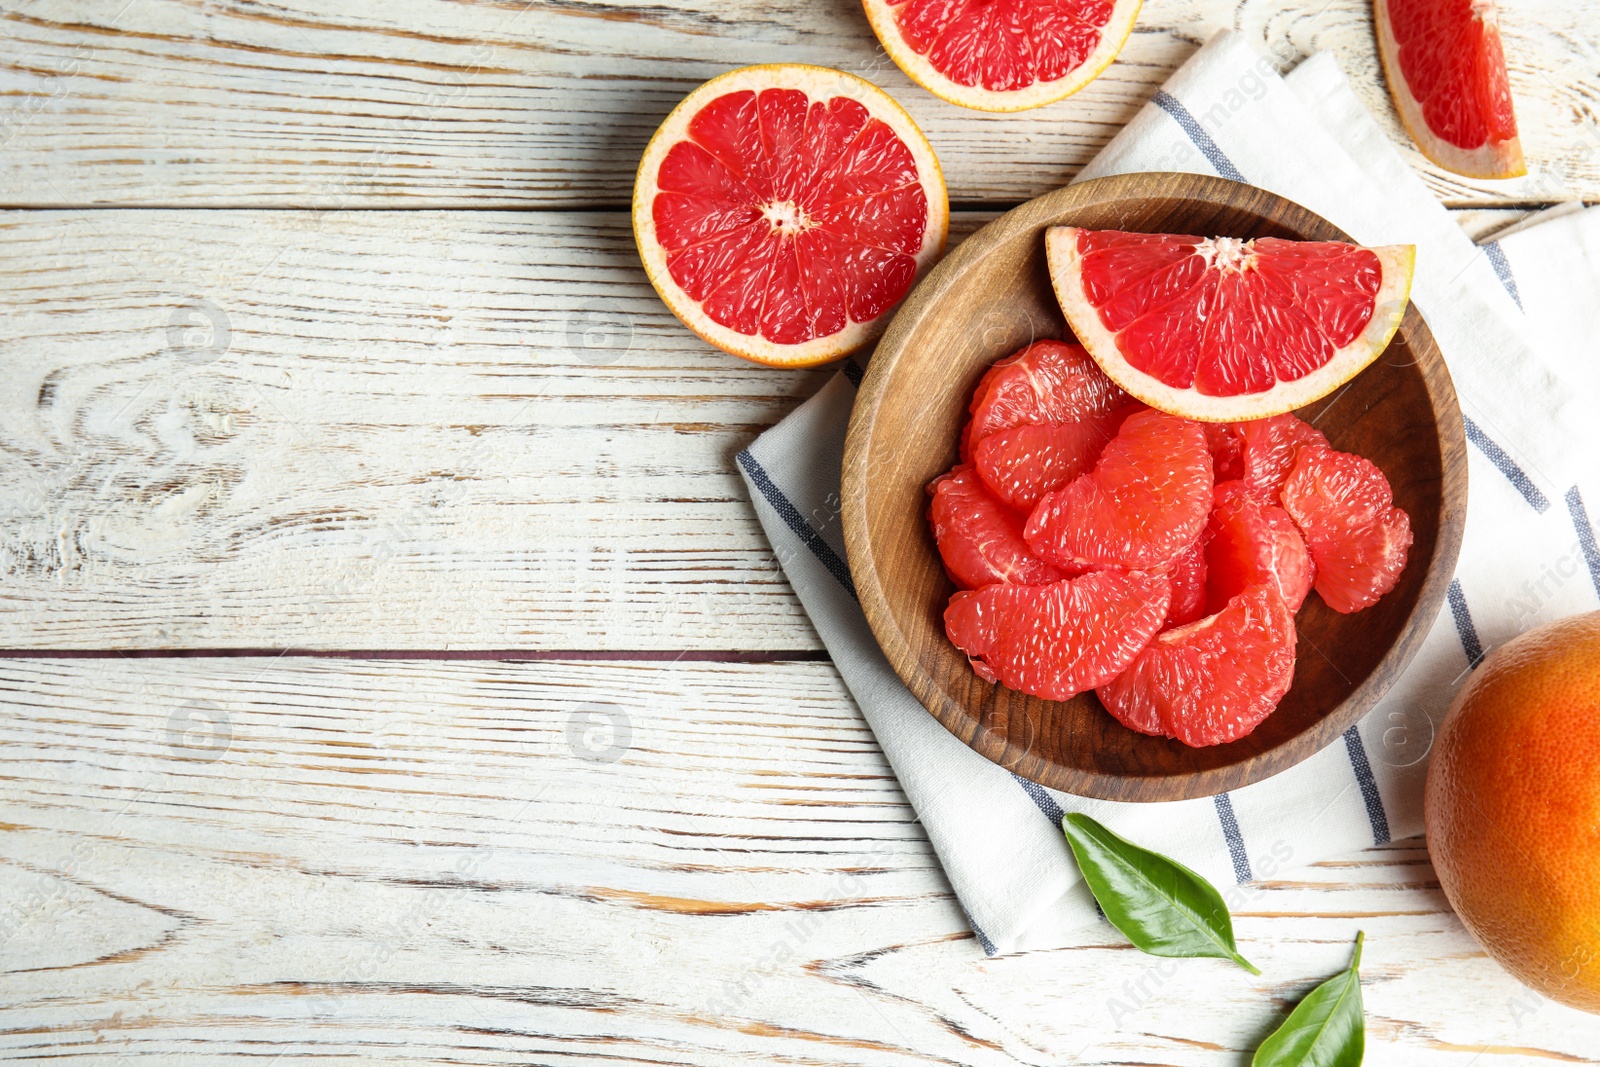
(1447, 74)
(1219, 329)
(1002, 55)
(782, 211)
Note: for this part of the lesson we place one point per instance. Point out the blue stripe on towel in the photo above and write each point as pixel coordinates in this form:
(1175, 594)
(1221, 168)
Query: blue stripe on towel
(1369, 786)
(854, 371)
(1046, 803)
(797, 522)
(1502, 268)
(977, 931)
(1230, 831)
(1580, 522)
(1508, 466)
(1052, 811)
(1464, 626)
(1202, 140)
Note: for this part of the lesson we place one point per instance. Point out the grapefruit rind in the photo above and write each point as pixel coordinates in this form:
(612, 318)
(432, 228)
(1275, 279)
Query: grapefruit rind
(1389, 304)
(1494, 159)
(818, 83)
(1113, 35)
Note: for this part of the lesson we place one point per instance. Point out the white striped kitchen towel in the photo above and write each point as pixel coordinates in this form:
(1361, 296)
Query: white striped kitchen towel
(1530, 553)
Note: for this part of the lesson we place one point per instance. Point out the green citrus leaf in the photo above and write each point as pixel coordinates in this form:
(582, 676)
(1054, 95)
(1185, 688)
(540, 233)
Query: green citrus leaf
(1160, 905)
(1326, 1029)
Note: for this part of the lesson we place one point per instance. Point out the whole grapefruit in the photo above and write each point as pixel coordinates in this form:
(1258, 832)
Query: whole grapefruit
(1513, 808)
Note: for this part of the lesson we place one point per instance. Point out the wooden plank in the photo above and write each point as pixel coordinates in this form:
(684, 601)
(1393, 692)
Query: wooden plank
(437, 103)
(369, 430)
(365, 862)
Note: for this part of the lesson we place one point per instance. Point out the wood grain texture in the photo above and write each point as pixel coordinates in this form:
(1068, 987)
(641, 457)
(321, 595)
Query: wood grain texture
(370, 430)
(550, 103)
(355, 862)
(427, 430)
(1400, 412)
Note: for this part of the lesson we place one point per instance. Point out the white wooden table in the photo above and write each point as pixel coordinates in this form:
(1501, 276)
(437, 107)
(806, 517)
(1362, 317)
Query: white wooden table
(399, 673)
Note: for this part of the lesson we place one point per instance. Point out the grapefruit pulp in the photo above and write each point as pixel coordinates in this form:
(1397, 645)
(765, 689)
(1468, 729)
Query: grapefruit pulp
(1358, 539)
(1212, 681)
(1141, 507)
(1045, 383)
(1251, 544)
(1220, 329)
(782, 211)
(1002, 55)
(1057, 640)
(1447, 74)
(979, 538)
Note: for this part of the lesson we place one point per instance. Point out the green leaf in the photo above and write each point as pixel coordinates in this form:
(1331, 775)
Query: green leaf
(1326, 1029)
(1160, 905)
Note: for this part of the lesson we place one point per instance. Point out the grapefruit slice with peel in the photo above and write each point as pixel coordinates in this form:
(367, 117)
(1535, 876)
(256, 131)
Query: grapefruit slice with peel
(1220, 329)
(1055, 641)
(782, 211)
(1447, 74)
(1002, 55)
(1212, 681)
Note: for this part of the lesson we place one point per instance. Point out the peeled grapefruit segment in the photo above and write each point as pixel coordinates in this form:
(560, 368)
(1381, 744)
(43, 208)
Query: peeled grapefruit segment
(1144, 503)
(781, 211)
(1227, 458)
(1223, 330)
(1188, 577)
(1002, 55)
(1249, 544)
(1212, 681)
(979, 539)
(1056, 641)
(1046, 383)
(1447, 74)
(1267, 450)
(1024, 463)
(1358, 539)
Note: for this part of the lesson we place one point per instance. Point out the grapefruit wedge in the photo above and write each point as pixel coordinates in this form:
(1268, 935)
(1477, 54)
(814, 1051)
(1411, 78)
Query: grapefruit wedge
(1219, 329)
(1447, 74)
(1002, 55)
(782, 211)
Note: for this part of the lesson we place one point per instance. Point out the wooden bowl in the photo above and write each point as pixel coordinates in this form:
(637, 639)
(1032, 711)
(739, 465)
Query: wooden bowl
(992, 296)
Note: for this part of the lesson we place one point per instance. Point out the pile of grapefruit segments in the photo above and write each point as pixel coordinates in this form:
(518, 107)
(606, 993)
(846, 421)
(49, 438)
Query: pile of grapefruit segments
(1153, 543)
